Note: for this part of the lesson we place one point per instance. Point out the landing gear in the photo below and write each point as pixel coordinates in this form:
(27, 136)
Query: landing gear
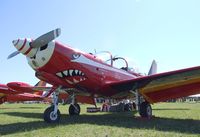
(128, 107)
(143, 107)
(74, 109)
(50, 116)
(52, 113)
(145, 110)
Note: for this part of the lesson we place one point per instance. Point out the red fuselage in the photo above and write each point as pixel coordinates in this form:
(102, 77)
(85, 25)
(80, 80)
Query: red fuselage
(75, 69)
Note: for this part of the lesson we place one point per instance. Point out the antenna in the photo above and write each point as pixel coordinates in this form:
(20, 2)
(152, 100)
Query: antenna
(95, 51)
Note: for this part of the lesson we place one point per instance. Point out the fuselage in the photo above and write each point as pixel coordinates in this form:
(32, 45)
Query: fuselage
(60, 64)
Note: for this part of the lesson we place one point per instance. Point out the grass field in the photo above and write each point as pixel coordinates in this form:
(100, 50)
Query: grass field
(171, 119)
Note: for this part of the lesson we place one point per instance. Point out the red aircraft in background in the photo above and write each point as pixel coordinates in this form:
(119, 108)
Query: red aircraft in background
(77, 73)
(18, 91)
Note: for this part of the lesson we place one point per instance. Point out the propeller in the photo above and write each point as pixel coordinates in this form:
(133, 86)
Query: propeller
(41, 41)
(13, 54)
(46, 38)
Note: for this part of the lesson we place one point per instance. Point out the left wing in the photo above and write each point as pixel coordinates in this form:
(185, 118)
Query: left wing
(164, 86)
(19, 87)
(18, 91)
(4, 90)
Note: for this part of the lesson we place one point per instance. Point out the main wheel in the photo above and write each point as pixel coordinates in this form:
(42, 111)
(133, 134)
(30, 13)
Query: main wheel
(145, 110)
(128, 107)
(134, 106)
(49, 115)
(73, 110)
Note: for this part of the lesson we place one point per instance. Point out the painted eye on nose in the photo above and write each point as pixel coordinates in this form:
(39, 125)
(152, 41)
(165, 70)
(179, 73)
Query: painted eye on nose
(75, 55)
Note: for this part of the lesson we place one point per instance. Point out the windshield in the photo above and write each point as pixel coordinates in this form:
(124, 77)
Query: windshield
(105, 56)
(117, 62)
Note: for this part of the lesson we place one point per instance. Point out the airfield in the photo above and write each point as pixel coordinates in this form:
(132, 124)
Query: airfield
(171, 119)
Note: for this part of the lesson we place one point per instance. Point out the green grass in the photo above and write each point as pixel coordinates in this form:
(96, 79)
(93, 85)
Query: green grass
(171, 119)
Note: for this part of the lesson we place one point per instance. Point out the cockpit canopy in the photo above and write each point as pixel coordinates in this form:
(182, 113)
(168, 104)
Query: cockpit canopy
(114, 61)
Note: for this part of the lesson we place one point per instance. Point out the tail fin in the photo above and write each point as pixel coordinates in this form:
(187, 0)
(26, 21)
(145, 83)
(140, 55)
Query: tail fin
(40, 84)
(153, 69)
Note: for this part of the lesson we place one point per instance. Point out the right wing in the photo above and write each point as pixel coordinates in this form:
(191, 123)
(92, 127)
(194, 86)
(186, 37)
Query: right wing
(163, 86)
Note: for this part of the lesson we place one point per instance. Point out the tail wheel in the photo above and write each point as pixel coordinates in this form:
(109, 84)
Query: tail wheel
(49, 115)
(145, 110)
(74, 109)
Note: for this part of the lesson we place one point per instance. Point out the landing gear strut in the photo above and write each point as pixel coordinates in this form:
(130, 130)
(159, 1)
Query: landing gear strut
(74, 108)
(143, 107)
(52, 113)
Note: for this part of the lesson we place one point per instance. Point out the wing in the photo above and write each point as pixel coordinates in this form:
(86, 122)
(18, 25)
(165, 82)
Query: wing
(26, 97)
(31, 89)
(164, 86)
(19, 87)
(4, 90)
(17, 91)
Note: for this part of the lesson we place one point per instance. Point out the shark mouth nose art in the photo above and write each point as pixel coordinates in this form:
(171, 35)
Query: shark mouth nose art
(72, 76)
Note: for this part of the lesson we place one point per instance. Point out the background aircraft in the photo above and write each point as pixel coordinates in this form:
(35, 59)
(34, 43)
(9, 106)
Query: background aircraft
(76, 73)
(18, 91)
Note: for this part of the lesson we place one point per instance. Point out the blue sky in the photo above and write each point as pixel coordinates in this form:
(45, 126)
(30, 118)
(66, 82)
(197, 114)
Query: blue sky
(140, 30)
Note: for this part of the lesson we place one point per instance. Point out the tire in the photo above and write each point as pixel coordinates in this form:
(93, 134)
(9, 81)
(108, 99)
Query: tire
(73, 111)
(134, 106)
(49, 117)
(145, 110)
(128, 107)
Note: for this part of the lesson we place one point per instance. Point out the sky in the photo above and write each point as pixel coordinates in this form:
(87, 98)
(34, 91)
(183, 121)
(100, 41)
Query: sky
(139, 30)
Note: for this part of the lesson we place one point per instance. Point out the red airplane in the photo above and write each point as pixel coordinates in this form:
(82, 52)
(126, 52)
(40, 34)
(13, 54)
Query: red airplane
(77, 73)
(18, 91)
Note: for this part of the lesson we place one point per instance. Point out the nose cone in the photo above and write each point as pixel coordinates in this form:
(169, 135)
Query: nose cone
(23, 46)
(15, 42)
(20, 44)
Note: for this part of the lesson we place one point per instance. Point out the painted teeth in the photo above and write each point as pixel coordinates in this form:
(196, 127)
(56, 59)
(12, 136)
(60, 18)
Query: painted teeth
(59, 74)
(75, 81)
(70, 82)
(76, 72)
(69, 73)
(82, 79)
(66, 72)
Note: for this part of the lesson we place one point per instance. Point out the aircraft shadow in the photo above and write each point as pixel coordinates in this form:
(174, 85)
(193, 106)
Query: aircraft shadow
(24, 115)
(155, 109)
(30, 107)
(124, 120)
(21, 108)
